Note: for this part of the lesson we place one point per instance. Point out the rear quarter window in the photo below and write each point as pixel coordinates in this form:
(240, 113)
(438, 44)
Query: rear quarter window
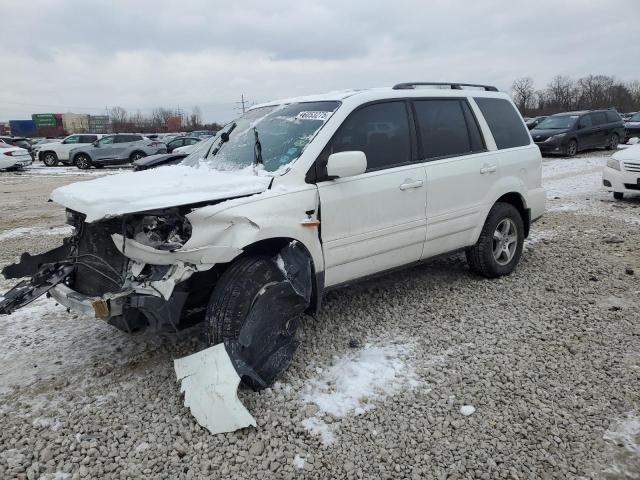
(613, 116)
(598, 118)
(504, 122)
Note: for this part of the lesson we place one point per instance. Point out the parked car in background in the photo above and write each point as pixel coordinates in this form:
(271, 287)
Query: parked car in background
(533, 122)
(628, 115)
(181, 142)
(570, 132)
(622, 173)
(13, 157)
(159, 160)
(117, 149)
(632, 126)
(55, 151)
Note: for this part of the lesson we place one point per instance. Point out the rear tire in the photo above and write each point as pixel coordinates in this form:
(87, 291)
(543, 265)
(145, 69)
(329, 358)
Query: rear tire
(136, 156)
(613, 142)
(499, 247)
(82, 161)
(50, 159)
(618, 195)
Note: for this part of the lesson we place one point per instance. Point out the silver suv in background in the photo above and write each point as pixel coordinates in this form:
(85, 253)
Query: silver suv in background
(115, 149)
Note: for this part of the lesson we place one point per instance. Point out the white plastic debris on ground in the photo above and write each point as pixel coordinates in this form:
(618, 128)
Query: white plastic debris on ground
(210, 386)
(355, 381)
(157, 188)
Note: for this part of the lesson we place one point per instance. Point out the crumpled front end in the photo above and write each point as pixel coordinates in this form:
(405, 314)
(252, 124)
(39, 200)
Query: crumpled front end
(105, 270)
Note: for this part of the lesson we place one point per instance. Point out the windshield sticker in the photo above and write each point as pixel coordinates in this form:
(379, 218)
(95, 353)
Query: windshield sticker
(314, 115)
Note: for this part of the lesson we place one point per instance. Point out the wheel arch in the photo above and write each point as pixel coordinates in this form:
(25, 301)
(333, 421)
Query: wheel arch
(272, 246)
(75, 156)
(517, 200)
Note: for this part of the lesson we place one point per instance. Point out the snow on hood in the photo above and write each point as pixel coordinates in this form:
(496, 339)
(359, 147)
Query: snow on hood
(158, 188)
(631, 153)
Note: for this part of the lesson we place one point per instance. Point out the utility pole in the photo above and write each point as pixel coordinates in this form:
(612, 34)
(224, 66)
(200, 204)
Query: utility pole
(242, 103)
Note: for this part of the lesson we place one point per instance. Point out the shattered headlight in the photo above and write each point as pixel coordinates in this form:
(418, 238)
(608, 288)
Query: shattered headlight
(163, 232)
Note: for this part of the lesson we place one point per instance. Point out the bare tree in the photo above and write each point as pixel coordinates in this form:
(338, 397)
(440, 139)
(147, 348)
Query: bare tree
(118, 116)
(523, 93)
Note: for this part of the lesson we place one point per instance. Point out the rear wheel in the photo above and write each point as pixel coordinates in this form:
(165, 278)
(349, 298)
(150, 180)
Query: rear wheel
(499, 247)
(50, 159)
(572, 148)
(136, 156)
(618, 195)
(613, 142)
(83, 162)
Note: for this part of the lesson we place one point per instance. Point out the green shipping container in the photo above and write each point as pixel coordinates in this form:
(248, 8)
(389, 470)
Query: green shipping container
(44, 119)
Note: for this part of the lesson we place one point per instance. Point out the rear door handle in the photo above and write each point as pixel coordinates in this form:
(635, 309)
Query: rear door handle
(411, 184)
(488, 169)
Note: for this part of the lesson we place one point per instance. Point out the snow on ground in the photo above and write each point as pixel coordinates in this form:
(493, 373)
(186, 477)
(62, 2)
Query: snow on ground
(352, 384)
(46, 328)
(623, 439)
(575, 184)
(61, 170)
(24, 231)
(298, 462)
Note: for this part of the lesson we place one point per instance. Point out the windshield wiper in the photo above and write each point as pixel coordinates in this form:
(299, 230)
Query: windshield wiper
(257, 149)
(224, 138)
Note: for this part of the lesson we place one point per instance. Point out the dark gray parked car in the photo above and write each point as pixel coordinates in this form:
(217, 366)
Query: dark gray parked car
(115, 149)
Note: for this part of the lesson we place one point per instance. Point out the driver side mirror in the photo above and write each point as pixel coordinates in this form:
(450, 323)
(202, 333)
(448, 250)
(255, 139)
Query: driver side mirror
(346, 164)
(95, 144)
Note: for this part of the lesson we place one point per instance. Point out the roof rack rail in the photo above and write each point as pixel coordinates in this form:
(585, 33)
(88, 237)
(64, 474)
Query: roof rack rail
(452, 85)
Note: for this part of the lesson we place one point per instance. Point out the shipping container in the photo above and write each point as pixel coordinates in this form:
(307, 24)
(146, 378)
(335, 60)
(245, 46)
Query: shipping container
(50, 132)
(22, 128)
(75, 122)
(44, 119)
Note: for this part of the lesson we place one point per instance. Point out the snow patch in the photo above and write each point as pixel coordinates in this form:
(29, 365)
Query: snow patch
(352, 384)
(623, 439)
(23, 231)
(298, 462)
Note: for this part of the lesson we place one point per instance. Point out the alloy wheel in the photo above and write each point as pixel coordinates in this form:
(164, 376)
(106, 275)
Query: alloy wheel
(505, 241)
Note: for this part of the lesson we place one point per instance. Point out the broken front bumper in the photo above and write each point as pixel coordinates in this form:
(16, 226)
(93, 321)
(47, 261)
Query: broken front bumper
(109, 305)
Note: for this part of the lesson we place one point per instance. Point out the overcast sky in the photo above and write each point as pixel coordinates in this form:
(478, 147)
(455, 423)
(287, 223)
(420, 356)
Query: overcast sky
(83, 56)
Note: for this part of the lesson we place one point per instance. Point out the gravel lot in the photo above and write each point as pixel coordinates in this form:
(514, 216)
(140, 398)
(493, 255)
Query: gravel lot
(548, 357)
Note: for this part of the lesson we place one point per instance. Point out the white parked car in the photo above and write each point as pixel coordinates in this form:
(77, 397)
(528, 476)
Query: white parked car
(58, 151)
(13, 158)
(622, 173)
(292, 199)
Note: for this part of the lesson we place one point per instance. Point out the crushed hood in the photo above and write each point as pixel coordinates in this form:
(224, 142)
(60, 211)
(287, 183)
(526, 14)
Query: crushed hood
(170, 186)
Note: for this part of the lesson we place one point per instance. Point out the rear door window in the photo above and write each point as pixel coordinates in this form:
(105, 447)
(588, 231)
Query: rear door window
(380, 130)
(446, 128)
(504, 122)
(88, 138)
(598, 118)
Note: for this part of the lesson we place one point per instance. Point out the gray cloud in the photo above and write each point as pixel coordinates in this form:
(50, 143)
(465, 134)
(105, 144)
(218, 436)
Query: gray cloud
(84, 56)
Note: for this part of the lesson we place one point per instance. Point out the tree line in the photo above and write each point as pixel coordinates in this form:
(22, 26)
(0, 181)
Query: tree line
(158, 120)
(564, 94)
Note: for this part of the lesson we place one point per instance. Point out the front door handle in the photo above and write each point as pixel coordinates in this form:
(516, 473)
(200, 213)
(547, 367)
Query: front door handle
(488, 168)
(411, 184)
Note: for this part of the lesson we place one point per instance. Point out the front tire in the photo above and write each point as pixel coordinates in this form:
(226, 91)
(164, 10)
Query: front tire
(83, 162)
(618, 195)
(572, 148)
(50, 159)
(499, 247)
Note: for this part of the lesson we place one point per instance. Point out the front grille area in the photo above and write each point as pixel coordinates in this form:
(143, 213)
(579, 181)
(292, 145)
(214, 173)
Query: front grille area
(632, 186)
(631, 166)
(100, 266)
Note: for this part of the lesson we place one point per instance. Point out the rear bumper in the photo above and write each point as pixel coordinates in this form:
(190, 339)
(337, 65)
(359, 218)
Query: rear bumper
(536, 200)
(620, 181)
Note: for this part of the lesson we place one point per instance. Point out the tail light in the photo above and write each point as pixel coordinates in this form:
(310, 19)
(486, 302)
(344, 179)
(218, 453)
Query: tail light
(154, 144)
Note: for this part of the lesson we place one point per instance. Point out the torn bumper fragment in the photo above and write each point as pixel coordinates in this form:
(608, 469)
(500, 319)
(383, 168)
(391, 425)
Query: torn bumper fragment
(210, 383)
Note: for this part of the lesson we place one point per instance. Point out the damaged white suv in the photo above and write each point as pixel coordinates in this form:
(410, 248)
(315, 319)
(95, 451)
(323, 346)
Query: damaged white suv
(293, 198)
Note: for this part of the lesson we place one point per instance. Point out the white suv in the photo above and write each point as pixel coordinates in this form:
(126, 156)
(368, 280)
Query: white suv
(294, 198)
(52, 153)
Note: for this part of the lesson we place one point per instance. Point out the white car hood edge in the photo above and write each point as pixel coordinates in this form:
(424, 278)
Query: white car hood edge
(164, 187)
